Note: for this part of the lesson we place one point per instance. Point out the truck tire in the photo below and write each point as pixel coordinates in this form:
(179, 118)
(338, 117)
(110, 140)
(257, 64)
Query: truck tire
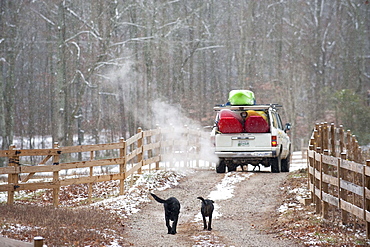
(221, 167)
(276, 164)
(285, 164)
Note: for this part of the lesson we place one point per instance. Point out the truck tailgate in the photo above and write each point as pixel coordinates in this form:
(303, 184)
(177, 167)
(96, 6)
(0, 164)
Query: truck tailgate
(243, 142)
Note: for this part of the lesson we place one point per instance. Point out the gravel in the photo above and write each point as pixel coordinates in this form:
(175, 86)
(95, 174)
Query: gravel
(241, 220)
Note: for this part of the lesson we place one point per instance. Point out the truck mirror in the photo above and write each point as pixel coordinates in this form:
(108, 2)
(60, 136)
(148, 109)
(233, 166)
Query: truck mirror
(288, 126)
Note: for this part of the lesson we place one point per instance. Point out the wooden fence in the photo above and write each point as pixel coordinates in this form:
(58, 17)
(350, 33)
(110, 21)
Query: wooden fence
(146, 148)
(339, 176)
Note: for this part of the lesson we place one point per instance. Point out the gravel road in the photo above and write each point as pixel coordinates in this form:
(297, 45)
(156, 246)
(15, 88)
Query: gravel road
(241, 219)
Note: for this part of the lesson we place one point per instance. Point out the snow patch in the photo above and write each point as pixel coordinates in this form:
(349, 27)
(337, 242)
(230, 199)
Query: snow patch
(128, 204)
(224, 190)
(205, 241)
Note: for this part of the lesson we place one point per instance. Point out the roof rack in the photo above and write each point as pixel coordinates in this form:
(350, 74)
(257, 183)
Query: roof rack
(246, 107)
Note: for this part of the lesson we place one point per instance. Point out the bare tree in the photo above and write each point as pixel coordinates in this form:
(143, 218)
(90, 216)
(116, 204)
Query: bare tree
(74, 67)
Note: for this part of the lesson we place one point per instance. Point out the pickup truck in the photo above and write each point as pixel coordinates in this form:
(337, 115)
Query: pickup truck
(251, 135)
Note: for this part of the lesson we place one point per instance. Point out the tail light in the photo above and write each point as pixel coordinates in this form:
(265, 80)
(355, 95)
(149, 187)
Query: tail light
(273, 141)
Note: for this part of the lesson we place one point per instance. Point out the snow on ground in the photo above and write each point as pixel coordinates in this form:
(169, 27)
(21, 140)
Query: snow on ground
(297, 163)
(224, 190)
(137, 193)
(129, 203)
(3, 197)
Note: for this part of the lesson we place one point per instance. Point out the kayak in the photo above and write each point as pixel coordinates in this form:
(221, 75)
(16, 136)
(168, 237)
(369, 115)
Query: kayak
(241, 97)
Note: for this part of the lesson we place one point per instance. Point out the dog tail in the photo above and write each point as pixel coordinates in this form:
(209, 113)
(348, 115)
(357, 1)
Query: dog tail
(201, 198)
(157, 198)
(204, 200)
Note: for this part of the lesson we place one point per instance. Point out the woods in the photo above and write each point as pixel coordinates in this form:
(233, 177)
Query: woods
(104, 68)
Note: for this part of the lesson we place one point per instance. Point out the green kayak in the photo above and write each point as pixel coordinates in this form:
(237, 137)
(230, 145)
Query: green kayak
(241, 97)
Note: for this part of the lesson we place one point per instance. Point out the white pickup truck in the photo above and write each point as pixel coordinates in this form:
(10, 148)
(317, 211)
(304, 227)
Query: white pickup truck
(251, 135)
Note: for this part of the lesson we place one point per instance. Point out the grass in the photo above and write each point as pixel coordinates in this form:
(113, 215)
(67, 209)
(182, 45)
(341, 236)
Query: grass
(61, 226)
(71, 224)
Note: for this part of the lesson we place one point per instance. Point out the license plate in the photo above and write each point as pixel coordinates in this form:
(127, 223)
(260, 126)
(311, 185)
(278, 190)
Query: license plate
(243, 143)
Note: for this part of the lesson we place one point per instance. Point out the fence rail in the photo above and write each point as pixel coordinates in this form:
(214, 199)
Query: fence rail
(145, 148)
(339, 176)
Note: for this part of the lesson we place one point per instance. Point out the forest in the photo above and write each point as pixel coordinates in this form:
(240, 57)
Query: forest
(74, 68)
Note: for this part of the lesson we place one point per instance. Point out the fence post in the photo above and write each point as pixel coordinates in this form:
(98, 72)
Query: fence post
(149, 140)
(351, 175)
(325, 137)
(311, 142)
(140, 149)
(91, 173)
(320, 137)
(339, 175)
(324, 186)
(38, 241)
(341, 140)
(343, 193)
(310, 162)
(318, 165)
(354, 148)
(56, 159)
(348, 145)
(122, 166)
(13, 177)
(359, 152)
(332, 140)
(367, 201)
(316, 136)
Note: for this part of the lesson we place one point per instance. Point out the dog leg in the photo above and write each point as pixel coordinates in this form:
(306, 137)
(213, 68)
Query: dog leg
(174, 225)
(210, 222)
(204, 222)
(169, 229)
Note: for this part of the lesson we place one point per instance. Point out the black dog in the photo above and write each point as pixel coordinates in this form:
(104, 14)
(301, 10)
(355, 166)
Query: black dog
(171, 212)
(207, 210)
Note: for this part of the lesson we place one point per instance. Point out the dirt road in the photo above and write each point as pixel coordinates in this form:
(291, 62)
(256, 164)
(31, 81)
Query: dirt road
(241, 219)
